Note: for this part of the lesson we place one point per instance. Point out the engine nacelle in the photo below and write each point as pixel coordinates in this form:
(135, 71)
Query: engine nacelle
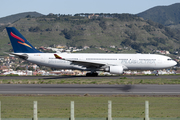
(114, 69)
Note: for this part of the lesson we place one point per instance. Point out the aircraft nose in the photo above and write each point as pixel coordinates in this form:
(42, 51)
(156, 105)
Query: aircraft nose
(174, 63)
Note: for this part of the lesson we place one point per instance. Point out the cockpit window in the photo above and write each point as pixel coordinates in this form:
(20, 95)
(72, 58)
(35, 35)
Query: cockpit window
(169, 59)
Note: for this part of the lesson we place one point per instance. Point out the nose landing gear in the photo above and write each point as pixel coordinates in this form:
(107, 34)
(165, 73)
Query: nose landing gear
(157, 74)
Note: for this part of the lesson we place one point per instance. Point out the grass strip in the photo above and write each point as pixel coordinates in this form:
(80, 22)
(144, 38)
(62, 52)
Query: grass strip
(58, 106)
(123, 81)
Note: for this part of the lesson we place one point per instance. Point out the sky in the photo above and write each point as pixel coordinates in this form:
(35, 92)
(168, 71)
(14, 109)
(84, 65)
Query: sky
(10, 7)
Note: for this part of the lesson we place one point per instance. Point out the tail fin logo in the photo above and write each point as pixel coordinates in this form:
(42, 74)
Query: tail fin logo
(22, 42)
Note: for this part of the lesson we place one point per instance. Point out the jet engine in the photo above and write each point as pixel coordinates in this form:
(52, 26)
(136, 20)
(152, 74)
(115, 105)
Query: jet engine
(114, 69)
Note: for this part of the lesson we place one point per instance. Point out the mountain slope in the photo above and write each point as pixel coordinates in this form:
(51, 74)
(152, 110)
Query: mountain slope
(166, 15)
(121, 30)
(12, 18)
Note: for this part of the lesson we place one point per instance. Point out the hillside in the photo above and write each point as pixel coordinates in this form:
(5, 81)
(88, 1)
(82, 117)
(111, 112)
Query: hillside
(12, 18)
(120, 30)
(166, 15)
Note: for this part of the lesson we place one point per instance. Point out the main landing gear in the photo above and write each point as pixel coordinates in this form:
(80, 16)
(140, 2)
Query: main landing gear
(92, 74)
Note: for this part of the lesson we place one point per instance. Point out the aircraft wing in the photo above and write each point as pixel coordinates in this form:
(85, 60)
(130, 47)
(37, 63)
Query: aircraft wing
(82, 63)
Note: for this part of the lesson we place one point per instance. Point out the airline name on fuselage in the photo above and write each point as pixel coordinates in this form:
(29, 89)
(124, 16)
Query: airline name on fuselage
(130, 61)
(141, 61)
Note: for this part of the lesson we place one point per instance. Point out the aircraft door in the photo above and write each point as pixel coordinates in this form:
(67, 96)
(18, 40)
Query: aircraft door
(42, 59)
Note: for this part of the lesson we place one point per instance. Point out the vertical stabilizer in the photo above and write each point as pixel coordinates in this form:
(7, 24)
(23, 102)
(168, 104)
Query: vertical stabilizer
(19, 43)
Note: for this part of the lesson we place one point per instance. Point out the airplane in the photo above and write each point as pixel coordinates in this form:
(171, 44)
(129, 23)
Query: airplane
(92, 62)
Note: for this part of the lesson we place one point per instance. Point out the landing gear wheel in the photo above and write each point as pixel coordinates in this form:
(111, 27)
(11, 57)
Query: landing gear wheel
(88, 74)
(95, 74)
(92, 74)
(157, 73)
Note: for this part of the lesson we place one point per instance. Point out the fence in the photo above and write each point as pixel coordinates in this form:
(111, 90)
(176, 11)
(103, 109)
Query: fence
(73, 117)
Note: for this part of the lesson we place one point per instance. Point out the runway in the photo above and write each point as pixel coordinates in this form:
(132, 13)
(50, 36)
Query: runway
(89, 89)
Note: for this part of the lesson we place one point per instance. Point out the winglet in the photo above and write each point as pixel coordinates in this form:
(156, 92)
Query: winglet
(57, 56)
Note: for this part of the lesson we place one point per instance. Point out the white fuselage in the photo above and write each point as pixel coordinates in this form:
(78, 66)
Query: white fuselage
(127, 61)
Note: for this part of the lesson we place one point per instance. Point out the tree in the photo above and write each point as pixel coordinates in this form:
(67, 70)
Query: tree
(102, 24)
(68, 34)
(126, 42)
(34, 29)
(133, 36)
(31, 68)
(135, 45)
(28, 16)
